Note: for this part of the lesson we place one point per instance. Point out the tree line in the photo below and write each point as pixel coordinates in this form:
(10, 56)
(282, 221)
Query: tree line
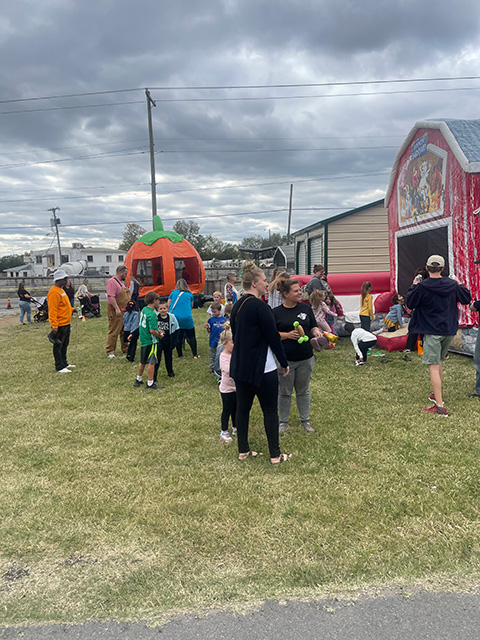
(207, 246)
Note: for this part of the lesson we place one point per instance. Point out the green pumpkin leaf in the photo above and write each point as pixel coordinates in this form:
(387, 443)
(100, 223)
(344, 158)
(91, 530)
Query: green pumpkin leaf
(152, 236)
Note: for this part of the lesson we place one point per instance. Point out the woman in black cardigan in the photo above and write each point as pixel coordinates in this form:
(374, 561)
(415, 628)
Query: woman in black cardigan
(253, 367)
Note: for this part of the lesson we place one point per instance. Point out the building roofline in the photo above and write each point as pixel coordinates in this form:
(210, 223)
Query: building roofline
(326, 221)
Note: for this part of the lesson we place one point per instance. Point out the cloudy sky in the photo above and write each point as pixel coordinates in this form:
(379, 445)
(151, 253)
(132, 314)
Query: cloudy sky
(229, 140)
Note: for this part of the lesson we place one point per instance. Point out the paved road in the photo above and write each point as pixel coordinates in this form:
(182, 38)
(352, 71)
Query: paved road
(421, 616)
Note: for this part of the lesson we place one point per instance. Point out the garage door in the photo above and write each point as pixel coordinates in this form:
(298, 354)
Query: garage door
(315, 252)
(301, 259)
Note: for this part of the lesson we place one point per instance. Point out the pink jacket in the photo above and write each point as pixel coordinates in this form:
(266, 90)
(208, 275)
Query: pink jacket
(227, 384)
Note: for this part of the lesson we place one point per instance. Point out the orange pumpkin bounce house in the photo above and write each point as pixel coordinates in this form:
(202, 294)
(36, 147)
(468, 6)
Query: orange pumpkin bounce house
(159, 258)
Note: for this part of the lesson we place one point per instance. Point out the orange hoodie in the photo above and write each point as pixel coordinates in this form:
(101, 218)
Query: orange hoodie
(59, 307)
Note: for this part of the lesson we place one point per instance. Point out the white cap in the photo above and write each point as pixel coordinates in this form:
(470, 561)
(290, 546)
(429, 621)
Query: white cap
(435, 261)
(59, 274)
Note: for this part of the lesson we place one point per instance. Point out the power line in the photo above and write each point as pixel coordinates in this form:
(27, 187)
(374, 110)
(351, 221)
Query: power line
(90, 157)
(81, 146)
(210, 217)
(244, 86)
(245, 99)
(237, 186)
(279, 150)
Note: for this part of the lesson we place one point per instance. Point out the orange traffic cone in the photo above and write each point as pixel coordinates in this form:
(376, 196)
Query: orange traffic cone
(9, 306)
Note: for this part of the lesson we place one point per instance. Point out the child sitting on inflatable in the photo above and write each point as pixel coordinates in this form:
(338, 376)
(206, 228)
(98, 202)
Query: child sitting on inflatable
(393, 320)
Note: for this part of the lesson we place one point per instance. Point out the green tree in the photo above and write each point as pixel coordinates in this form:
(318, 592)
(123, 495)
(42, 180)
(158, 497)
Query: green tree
(191, 232)
(131, 234)
(12, 260)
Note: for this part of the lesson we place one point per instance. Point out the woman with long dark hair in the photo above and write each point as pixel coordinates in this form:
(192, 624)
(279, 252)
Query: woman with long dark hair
(256, 341)
(24, 303)
(180, 303)
(293, 319)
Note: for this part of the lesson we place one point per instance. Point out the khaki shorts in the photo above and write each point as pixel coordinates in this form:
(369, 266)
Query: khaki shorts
(435, 348)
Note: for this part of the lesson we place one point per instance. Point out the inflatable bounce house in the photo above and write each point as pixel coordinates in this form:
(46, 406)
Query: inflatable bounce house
(159, 258)
(433, 202)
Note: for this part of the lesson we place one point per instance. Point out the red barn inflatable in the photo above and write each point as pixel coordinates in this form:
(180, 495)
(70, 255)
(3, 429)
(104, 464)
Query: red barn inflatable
(159, 258)
(433, 203)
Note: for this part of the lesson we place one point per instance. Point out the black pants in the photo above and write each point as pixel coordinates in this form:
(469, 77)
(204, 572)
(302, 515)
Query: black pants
(365, 346)
(60, 350)
(412, 341)
(365, 323)
(267, 394)
(189, 334)
(229, 409)
(132, 345)
(166, 349)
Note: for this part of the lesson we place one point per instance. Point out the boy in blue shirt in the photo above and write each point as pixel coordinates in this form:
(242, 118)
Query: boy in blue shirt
(215, 327)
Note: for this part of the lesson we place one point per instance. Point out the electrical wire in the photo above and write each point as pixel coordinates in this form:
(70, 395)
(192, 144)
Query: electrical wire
(244, 86)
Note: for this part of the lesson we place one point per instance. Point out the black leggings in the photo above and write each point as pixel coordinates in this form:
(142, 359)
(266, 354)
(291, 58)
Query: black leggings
(229, 408)
(412, 341)
(191, 339)
(267, 394)
(365, 346)
(166, 349)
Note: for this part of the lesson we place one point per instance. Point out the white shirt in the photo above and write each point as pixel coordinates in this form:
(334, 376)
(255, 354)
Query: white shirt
(360, 335)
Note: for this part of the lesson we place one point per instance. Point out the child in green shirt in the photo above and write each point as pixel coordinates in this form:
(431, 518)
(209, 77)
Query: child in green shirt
(149, 335)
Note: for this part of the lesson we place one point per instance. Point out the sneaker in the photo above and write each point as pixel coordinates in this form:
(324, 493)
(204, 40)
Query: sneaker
(308, 427)
(282, 427)
(154, 386)
(171, 375)
(315, 345)
(65, 370)
(71, 366)
(439, 411)
(474, 395)
(406, 358)
(407, 351)
(359, 362)
(138, 383)
(225, 436)
(111, 355)
(234, 432)
(431, 397)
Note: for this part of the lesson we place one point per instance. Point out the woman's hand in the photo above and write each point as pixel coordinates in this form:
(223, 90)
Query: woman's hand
(285, 371)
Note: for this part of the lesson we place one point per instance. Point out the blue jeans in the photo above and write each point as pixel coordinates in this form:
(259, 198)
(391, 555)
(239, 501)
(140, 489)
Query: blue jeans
(25, 309)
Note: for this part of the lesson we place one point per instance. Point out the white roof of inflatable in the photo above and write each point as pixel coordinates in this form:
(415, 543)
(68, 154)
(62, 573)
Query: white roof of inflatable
(462, 136)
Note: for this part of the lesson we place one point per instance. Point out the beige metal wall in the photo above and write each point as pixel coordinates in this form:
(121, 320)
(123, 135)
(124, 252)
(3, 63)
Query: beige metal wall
(359, 242)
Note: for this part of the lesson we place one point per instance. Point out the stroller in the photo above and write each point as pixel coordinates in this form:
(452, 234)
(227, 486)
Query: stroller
(90, 306)
(42, 310)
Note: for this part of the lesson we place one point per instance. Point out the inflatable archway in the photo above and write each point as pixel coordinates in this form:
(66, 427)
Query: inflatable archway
(159, 258)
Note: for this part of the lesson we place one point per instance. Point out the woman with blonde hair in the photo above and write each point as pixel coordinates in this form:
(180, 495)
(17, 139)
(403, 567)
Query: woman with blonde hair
(253, 367)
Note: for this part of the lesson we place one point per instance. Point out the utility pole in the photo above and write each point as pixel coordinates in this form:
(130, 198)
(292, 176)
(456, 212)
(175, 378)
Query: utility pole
(289, 214)
(151, 102)
(54, 222)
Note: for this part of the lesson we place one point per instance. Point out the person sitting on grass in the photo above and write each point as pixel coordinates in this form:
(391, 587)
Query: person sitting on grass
(168, 325)
(149, 336)
(215, 328)
(362, 341)
(393, 320)
(227, 387)
(131, 323)
(320, 310)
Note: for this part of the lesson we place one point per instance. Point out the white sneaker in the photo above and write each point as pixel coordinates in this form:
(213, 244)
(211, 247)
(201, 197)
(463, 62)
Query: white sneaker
(64, 370)
(358, 363)
(111, 355)
(71, 366)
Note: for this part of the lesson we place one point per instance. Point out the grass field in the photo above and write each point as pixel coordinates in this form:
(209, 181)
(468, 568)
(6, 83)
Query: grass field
(122, 503)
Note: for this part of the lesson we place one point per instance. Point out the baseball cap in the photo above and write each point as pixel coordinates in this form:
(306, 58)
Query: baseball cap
(59, 274)
(435, 261)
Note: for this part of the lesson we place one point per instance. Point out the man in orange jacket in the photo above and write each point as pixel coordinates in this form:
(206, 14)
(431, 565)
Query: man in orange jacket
(59, 316)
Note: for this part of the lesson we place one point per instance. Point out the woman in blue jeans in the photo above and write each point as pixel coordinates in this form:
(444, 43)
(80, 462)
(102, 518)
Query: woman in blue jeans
(24, 303)
(255, 343)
